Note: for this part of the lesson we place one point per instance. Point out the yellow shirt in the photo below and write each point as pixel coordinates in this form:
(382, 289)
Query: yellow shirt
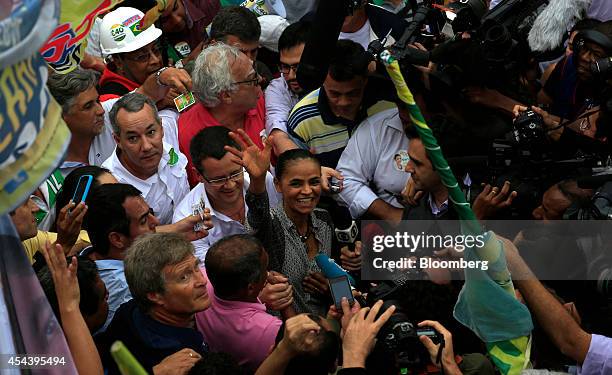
(34, 244)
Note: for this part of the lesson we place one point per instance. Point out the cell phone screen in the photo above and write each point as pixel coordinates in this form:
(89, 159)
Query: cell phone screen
(82, 189)
(340, 287)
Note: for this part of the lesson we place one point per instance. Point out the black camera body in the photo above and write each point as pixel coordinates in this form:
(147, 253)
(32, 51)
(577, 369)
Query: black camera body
(401, 337)
(528, 129)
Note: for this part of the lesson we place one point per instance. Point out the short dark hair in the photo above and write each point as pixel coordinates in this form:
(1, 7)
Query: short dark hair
(294, 35)
(87, 274)
(290, 156)
(570, 190)
(213, 363)
(105, 214)
(210, 143)
(70, 183)
(349, 60)
(237, 21)
(233, 263)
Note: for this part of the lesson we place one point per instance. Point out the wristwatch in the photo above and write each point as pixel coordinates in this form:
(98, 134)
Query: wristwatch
(158, 74)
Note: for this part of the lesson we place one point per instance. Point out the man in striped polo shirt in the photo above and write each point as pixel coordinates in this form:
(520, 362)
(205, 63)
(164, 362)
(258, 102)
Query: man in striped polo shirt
(324, 120)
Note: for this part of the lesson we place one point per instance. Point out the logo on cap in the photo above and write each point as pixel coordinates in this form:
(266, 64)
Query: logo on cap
(117, 32)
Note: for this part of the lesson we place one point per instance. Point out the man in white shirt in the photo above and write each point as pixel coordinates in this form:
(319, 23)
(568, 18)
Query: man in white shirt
(143, 159)
(283, 93)
(221, 189)
(91, 141)
(373, 166)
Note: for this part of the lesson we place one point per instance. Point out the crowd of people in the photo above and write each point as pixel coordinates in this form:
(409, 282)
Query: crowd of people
(216, 181)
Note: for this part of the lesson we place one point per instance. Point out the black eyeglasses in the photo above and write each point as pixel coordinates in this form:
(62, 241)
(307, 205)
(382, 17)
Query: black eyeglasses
(286, 68)
(250, 82)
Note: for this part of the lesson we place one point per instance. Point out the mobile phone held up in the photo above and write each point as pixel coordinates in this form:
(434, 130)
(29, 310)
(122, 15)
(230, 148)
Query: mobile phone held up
(82, 189)
(340, 287)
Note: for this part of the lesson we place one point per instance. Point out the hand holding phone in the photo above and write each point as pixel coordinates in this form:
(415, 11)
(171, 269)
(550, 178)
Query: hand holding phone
(82, 189)
(340, 287)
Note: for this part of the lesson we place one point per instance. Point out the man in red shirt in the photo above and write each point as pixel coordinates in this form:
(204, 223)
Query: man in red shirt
(229, 95)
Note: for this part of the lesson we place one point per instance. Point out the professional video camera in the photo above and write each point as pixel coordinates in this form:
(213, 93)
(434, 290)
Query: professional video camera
(496, 49)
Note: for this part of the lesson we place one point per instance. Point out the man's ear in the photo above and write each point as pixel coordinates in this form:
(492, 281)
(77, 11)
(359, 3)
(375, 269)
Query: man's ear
(118, 240)
(197, 173)
(156, 298)
(116, 138)
(225, 97)
(277, 185)
(118, 62)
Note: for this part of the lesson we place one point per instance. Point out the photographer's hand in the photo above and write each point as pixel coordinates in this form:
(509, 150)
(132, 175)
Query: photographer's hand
(360, 335)
(550, 121)
(448, 355)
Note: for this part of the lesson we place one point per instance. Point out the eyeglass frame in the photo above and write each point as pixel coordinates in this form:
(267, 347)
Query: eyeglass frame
(141, 57)
(251, 82)
(224, 180)
(291, 67)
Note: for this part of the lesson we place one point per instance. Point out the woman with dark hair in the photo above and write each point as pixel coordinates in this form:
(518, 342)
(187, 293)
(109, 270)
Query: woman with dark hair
(100, 176)
(294, 232)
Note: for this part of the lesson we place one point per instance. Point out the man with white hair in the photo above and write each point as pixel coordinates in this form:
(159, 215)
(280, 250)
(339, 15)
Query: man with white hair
(227, 87)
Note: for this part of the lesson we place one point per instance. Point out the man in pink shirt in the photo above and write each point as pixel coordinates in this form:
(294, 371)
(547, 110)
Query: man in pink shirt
(227, 87)
(237, 322)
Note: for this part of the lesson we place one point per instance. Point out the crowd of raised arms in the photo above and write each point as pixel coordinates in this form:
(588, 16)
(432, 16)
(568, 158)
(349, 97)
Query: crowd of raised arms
(220, 158)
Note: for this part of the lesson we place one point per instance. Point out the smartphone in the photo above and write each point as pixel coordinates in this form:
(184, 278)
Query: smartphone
(340, 287)
(82, 189)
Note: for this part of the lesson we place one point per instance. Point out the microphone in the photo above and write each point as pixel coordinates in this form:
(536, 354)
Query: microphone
(321, 44)
(346, 229)
(331, 269)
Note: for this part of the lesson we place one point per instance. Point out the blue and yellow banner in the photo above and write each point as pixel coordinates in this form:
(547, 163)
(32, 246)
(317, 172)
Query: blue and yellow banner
(33, 136)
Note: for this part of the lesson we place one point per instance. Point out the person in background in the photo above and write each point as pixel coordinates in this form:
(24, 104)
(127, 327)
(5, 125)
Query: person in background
(237, 26)
(221, 188)
(283, 93)
(237, 322)
(169, 289)
(94, 297)
(143, 159)
(226, 85)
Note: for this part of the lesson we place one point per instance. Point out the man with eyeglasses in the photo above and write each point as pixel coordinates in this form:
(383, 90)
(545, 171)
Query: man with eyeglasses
(227, 87)
(221, 188)
(133, 55)
(143, 159)
(239, 27)
(283, 93)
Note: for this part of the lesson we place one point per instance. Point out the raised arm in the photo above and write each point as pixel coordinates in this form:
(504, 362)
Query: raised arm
(80, 342)
(562, 329)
